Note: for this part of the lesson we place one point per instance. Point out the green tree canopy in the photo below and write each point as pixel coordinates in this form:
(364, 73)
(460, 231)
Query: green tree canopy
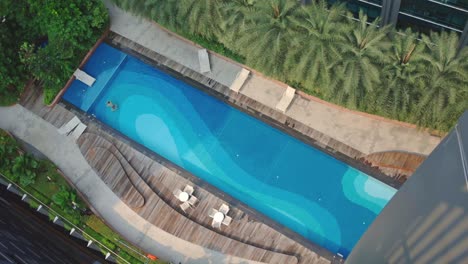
(316, 50)
(266, 39)
(403, 75)
(358, 73)
(444, 96)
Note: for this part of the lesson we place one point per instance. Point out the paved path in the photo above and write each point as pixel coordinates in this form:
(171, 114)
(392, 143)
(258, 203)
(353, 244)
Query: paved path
(363, 132)
(64, 152)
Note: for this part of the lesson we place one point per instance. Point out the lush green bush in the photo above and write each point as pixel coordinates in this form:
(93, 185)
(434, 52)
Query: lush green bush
(24, 169)
(320, 50)
(46, 40)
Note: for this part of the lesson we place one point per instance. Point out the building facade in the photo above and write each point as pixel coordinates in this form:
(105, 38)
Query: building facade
(420, 15)
(427, 219)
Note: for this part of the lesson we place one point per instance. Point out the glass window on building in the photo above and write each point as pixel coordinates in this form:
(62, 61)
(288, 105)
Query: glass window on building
(455, 3)
(435, 15)
(371, 8)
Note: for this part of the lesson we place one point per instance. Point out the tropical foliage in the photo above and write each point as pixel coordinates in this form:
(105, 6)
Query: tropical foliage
(65, 198)
(23, 168)
(45, 40)
(317, 48)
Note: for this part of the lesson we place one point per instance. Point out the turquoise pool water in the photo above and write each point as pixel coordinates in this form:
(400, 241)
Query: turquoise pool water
(304, 189)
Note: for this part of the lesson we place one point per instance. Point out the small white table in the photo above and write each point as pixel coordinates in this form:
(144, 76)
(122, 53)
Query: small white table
(183, 196)
(218, 217)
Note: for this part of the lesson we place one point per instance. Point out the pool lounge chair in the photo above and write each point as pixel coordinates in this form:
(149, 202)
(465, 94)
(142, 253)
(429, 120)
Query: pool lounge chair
(69, 126)
(84, 77)
(224, 209)
(188, 189)
(227, 220)
(185, 206)
(193, 200)
(204, 61)
(78, 131)
(286, 99)
(239, 80)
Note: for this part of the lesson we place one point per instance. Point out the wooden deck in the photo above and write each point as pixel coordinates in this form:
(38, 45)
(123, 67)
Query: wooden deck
(396, 164)
(132, 174)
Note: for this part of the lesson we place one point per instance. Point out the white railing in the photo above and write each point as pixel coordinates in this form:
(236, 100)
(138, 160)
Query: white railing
(66, 221)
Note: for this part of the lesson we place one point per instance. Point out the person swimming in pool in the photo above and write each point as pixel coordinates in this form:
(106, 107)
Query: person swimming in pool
(111, 105)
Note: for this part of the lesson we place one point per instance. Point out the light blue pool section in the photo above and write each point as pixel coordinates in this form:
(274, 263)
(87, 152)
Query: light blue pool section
(310, 192)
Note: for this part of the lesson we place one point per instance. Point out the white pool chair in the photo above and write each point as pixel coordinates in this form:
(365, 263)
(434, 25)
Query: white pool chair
(224, 209)
(188, 189)
(286, 99)
(216, 224)
(84, 77)
(193, 200)
(239, 80)
(185, 206)
(227, 220)
(177, 192)
(78, 131)
(212, 212)
(204, 61)
(69, 126)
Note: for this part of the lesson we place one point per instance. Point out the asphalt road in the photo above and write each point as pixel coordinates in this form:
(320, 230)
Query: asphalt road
(28, 237)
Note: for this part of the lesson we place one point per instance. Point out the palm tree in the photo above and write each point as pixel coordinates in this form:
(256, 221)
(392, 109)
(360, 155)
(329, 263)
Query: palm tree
(445, 94)
(321, 34)
(358, 73)
(236, 16)
(265, 41)
(162, 11)
(402, 76)
(201, 17)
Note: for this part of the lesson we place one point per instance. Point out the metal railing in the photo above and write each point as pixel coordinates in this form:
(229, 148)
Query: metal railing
(66, 221)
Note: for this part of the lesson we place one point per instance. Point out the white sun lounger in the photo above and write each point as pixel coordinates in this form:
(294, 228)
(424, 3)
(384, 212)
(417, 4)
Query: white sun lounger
(84, 77)
(204, 61)
(78, 131)
(240, 80)
(69, 126)
(286, 100)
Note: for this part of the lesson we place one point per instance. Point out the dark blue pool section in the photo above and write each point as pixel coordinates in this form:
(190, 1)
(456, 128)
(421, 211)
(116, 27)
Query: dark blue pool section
(310, 192)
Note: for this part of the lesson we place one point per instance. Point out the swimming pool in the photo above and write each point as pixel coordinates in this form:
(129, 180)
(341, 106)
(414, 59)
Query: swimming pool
(304, 189)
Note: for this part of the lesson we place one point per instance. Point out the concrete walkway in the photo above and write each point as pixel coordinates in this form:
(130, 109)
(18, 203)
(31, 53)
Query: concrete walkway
(64, 152)
(363, 132)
